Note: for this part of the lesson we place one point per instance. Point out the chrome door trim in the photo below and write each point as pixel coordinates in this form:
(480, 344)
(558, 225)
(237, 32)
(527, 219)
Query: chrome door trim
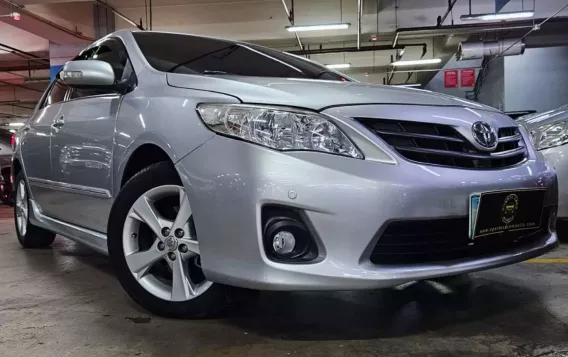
(93, 239)
(69, 187)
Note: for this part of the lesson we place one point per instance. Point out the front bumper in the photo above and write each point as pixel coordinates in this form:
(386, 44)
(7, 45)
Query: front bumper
(557, 157)
(347, 202)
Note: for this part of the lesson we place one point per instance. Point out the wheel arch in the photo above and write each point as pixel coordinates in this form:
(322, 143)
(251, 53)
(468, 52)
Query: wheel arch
(141, 157)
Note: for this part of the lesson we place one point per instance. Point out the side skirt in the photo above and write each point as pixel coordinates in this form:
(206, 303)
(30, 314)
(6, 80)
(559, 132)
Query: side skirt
(95, 240)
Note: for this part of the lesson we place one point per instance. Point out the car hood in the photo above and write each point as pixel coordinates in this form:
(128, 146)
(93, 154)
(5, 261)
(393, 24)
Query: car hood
(534, 121)
(314, 94)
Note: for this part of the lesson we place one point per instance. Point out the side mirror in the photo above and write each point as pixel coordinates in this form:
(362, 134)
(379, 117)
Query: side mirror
(88, 73)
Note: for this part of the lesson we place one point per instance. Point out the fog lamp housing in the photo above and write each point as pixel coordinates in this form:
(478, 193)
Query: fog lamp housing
(286, 237)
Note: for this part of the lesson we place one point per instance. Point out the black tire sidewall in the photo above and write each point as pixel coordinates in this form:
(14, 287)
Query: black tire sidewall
(215, 300)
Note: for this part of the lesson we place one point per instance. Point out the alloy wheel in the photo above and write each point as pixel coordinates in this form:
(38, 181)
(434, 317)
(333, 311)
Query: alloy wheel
(21, 208)
(161, 247)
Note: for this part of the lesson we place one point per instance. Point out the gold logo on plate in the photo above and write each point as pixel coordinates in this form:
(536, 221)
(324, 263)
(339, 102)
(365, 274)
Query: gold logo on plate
(509, 208)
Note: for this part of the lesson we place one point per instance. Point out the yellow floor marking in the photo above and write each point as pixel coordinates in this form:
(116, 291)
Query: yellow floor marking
(548, 260)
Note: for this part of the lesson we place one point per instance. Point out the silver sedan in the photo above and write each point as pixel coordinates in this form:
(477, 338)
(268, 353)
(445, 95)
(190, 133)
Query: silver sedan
(202, 164)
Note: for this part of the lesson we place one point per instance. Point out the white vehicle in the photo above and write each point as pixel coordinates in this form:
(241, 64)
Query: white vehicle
(549, 133)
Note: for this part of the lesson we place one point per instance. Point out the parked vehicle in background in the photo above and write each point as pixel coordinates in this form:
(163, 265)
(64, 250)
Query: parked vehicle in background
(549, 134)
(519, 114)
(201, 164)
(6, 166)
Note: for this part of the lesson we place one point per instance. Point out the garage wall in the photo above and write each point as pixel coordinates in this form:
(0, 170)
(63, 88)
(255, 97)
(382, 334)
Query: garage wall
(537, 80)
(493, 87)
(436, 84)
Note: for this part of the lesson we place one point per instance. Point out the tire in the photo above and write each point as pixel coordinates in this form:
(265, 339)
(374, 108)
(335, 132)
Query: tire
(215, 299)
(562, 230)
(29, 236)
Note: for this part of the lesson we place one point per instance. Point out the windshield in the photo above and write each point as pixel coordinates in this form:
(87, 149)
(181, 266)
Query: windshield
(177, 53)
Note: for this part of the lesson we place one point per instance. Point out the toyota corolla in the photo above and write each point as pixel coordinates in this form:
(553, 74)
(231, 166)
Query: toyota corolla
(202, 164)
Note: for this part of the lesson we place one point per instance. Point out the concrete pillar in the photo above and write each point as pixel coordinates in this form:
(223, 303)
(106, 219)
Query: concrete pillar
(103, 20)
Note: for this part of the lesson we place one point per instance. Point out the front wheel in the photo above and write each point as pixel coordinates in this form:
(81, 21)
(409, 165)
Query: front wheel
(154, 248)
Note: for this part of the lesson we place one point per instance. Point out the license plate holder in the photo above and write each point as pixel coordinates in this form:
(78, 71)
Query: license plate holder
(498, 212)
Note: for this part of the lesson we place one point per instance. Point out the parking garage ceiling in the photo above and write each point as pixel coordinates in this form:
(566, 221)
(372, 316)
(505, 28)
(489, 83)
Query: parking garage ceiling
(24, 44)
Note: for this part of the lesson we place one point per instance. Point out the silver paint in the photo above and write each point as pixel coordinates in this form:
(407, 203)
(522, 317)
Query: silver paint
(67, 187)
(346, 201)
(557, 157)
(88, 73)
(139, 262)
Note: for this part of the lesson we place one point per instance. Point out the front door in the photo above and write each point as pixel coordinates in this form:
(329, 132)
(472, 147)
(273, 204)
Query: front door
(82, 145)
(81, 159)
(35, 145)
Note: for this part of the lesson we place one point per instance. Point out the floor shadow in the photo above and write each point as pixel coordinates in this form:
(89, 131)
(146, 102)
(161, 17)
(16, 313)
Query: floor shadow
(461, 306)
(64, 255)
(484, 303)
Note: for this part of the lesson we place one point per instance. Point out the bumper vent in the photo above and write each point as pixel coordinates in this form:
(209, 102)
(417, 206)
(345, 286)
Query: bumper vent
(438, 144)
(429, 241)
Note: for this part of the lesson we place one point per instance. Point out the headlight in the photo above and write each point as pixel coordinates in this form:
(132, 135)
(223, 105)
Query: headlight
(551, 135)
(280, 129)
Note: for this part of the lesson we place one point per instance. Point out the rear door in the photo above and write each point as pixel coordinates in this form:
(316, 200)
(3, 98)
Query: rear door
(82, 146)
(36, 142)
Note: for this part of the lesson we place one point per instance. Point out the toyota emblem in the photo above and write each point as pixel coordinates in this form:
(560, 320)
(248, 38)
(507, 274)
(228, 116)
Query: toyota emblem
(484, 134)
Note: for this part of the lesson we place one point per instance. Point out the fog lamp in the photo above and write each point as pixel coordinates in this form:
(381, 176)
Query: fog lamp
(283, 242)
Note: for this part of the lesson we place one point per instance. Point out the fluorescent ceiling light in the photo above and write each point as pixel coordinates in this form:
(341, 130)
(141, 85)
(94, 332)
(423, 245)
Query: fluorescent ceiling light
(498, 16)
(416, 62)
(338, 66)
(15, 124)
(302, 28)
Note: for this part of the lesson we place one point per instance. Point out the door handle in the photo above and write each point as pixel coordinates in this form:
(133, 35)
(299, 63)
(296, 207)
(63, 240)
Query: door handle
(59, 122)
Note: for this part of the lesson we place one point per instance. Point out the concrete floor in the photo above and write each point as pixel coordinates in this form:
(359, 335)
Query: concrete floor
(65, 301)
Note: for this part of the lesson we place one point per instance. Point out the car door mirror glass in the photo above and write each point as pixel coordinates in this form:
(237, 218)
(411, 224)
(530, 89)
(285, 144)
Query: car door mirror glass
(88, 73)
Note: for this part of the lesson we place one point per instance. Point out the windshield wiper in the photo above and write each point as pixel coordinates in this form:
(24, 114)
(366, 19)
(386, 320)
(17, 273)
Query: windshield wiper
(338, 77)
(211, 71)
(230, 48)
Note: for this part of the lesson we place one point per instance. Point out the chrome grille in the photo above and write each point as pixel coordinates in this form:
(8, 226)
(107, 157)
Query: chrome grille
(439, 144)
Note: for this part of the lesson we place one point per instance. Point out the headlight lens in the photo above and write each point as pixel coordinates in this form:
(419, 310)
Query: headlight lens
(550, 135)
(280, 129)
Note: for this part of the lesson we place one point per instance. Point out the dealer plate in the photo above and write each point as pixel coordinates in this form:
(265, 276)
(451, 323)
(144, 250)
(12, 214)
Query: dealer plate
(504, 211)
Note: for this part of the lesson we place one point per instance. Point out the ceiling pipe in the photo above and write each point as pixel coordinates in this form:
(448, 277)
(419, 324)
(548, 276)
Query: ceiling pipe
(20, 52)
(478, 49)
(28, 56)
(21, 86)
(117, 13)
(359, 15)
(290, 16)
(429, 31)
(441, 19)
(17, 105)
(28, 67)
(26, 13)
(321, 51)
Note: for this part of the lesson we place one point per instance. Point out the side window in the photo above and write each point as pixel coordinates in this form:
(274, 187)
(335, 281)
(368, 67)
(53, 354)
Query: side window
(111, 51)
(56, 93)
